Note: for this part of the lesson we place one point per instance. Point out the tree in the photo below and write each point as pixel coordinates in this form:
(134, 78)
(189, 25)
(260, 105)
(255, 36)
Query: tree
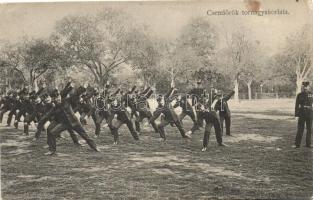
(192, 50)
(296, 59)
(239, 59)
(177, 62)
(12, 59)
(39, 57)
(31, 59)
(145, 57)
(199, 36)
(101, 43)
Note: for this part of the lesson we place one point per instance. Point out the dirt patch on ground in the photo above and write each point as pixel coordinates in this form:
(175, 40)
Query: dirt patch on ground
(252, 137)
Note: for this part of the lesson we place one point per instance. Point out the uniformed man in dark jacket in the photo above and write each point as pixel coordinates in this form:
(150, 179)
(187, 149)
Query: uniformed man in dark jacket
(142, 109)
(34, 113)
(187, 109)
(26, 109)
(85, 106)
(168, 114)
(65, 118)
(121, 115)
(23, 95)
(49, 104)
(303, 110)
(7, 104)
(209, 115)
(224, 111)
(16, 105)
(102, 112)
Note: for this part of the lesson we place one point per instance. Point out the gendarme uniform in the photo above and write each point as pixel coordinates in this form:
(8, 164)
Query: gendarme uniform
(224, 111)
(303, 110)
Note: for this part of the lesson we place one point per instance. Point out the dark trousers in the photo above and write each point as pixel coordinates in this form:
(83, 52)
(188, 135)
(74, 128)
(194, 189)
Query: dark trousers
(10, 116)
(28, 119)
(20, 114)
(55, 129)
(82, 119)
(98, 117)
(227, 120)
(192, 116)
(212, 121)
(165, 122)
(304, 121)
(143, 115)
(2, 111)
(18, 117)
(53, 124)
(118, 123)
(199, 121)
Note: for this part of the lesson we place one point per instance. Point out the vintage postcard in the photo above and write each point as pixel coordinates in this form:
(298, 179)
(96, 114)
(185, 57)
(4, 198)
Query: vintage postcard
(156, 99)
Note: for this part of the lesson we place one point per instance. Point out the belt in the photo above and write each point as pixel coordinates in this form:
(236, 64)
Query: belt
(309, 107)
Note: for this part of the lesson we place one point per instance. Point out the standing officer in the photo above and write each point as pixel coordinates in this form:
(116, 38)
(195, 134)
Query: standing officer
(303, 110)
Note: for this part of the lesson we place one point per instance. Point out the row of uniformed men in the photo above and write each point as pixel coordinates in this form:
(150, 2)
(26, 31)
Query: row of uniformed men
(117, 108)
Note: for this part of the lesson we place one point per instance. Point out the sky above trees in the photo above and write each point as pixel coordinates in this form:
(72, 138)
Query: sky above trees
(165, 19)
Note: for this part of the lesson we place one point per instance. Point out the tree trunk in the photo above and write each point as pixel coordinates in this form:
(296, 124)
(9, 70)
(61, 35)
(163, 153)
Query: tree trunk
(299, 83)
(172, 78)
(35, 85)
(249, 90)
(102, 81)
(31, 81)
(236, 95)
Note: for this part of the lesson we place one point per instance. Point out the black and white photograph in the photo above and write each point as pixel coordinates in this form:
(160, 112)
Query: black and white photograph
(169, 100)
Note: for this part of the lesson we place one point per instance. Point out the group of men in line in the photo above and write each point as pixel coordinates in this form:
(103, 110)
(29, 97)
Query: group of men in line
(54, 111)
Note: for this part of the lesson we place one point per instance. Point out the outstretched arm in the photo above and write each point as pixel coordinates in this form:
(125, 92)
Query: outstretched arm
(227, 97)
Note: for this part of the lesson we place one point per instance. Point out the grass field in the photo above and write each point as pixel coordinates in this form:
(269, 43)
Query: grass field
(259, 162)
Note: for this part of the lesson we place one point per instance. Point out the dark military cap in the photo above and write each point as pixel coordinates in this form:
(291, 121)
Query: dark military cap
(305, 83)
